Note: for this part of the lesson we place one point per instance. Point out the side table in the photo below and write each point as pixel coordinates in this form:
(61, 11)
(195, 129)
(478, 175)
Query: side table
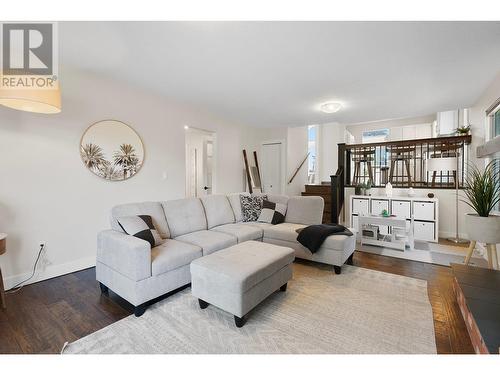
(3, 241)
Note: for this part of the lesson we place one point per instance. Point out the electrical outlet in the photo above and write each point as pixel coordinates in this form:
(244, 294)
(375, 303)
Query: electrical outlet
(44, 260)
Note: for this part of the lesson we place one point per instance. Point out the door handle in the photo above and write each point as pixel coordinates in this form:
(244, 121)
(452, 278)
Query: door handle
(206, 187)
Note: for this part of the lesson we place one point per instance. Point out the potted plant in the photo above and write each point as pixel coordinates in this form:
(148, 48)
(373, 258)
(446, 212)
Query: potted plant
(368, 187)
(482, 193)
(463, 130)
(358, 189)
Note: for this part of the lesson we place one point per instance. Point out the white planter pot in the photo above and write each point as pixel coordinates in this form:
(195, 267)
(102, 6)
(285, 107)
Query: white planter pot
(483, 229)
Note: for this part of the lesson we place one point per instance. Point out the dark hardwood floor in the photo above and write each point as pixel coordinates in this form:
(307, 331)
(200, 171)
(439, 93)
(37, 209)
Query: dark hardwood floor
(42, 316)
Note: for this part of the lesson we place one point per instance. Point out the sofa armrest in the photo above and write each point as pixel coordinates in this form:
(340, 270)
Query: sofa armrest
(126, 254)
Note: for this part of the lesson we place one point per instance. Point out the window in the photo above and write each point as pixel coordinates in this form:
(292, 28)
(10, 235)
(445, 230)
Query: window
(493, 112)
(496, 123)
(312, 148)
(381, 155)
(373, 136)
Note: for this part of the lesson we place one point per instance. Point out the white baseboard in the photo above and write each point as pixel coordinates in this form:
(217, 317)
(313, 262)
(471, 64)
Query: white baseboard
(51, 271)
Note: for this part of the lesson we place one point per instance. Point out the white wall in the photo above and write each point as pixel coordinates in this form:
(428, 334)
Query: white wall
(478, 120)
(422, 127)
(295, 142)
(480, 127)
(331, 135)
(297, 139)
(47, 195)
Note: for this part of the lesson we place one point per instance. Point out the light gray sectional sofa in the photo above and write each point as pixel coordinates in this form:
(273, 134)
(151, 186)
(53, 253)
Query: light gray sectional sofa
(192, 228)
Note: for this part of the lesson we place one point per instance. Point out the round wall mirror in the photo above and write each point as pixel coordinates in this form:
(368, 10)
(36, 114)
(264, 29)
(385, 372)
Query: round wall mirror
(112, 150)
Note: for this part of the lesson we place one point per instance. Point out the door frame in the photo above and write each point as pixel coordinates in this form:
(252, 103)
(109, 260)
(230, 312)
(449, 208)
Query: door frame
(214, 157)
(282, 164)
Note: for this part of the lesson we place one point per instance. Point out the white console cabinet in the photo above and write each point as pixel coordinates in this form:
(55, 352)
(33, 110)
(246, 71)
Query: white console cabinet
(425, 213)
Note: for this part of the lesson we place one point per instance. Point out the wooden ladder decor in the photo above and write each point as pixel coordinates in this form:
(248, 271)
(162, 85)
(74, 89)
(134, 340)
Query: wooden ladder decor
(247, 171)
(252, 173)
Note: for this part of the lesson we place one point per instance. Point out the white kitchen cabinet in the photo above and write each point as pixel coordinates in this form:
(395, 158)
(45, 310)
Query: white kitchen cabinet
(424, 230)
(360, 206)
(424, 210)
(401, 208)
(378, 205)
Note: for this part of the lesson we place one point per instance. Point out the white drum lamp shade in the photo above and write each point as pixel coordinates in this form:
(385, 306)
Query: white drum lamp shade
(32, 100)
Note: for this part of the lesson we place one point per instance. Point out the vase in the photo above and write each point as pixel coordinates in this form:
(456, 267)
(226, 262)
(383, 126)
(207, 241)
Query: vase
(388, 189)
(484, 229)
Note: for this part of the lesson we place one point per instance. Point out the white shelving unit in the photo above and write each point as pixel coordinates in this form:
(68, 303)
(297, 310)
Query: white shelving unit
(425, 212)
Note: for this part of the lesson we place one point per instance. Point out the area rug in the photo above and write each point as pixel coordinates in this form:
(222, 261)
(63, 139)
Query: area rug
(427, 252)
(359, 311)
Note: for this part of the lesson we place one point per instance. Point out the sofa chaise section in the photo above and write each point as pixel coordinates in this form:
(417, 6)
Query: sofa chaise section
(301, 212)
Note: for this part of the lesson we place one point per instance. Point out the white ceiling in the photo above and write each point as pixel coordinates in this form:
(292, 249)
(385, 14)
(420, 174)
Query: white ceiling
(277, 73)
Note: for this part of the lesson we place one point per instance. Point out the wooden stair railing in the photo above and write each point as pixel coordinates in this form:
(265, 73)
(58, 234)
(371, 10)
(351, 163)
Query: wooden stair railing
(298, 168)
(337, 194)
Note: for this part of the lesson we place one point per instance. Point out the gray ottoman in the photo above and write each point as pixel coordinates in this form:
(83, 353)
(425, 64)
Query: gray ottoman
(238, 278)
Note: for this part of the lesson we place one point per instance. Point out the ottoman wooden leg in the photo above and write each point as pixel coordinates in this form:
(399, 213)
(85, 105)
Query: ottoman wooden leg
(337, 269)
(283, 288)
(240, 322)
(203, 304)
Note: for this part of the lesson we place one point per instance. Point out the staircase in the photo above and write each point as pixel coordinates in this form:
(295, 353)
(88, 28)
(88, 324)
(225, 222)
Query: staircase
(321, 190)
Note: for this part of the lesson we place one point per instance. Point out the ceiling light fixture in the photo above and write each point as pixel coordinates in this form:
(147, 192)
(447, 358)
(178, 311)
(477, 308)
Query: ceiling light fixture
(32, 100)
(330, 107)
(186, 127)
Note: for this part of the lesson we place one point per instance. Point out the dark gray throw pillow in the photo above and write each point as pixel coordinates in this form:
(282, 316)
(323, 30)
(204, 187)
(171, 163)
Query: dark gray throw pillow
(140, 226)
(272, 213)
(251, 206)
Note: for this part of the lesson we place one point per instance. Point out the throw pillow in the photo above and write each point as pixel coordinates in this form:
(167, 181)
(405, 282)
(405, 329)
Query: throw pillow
(142, 227)
(272, 213)
(251, 206)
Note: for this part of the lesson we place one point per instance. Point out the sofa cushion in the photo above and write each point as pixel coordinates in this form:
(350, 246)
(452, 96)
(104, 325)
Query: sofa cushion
(305, 210)
(172, 254)
(272, 213)
(210, 241)
(218, 210)
(251, 207)
(256, 224)
(140, 226)
(275, 198)
(185, 216)
(152, 209)
(283, 231)
(288, 232)
(239, 268)
(234, 200)
(240, 231)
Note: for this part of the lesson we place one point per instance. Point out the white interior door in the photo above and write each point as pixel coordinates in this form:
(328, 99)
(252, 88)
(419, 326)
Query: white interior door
(200, 162)
(271, 168)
